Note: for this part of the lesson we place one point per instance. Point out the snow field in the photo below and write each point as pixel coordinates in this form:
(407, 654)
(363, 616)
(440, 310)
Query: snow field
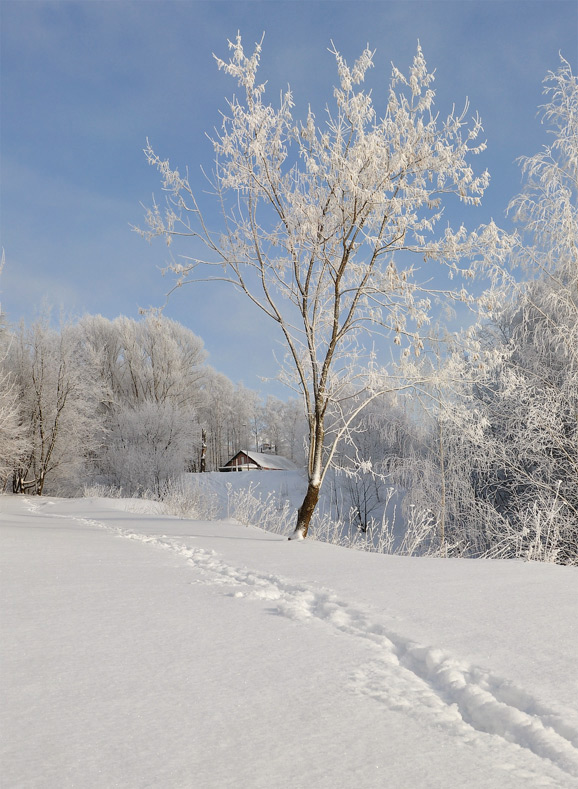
(210, 654)
(410, 677)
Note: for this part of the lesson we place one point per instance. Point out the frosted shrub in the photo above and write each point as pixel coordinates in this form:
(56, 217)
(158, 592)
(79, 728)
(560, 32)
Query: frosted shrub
(419, 533)
(186, 499)
(422, 537)
(379, 537)
(100, 491)
(543, 533)
(271, 513)
(274, 513)
(324, 527)
(541, 536)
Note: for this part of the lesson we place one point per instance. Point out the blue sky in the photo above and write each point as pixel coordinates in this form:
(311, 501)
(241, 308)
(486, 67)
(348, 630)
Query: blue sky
(85, 83)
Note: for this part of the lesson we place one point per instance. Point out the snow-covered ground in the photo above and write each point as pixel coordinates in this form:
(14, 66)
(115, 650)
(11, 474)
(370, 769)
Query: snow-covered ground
(139, 650)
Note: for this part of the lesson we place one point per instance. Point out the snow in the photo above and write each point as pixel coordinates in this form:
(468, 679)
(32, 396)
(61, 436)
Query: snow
(139, 650)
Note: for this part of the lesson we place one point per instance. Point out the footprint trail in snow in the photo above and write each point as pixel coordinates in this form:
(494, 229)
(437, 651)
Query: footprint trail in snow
(421, 681)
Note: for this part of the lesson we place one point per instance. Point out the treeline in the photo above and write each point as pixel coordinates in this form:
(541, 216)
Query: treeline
(485, 456)
(126, 403)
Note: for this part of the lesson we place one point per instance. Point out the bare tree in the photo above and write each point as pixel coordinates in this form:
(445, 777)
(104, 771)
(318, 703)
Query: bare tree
(321, 224)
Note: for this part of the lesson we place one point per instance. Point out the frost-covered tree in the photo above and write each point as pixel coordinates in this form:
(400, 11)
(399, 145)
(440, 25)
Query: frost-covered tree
(285, 427)
(322, 224)
(151, 373)
(532, 405)
(13, 440)
(295, 430)
(245, 424)
(148, 443)
(503, 452)
(151, 360)
(215, 413)
(58, 399)
(547, 208)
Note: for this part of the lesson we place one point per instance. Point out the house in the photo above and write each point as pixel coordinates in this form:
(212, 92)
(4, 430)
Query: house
(247, 460)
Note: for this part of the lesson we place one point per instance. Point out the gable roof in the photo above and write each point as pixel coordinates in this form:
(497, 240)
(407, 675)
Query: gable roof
(272, 462)
(265, 461)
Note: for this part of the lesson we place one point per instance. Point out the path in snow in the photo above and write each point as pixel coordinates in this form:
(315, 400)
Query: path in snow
(424, 682)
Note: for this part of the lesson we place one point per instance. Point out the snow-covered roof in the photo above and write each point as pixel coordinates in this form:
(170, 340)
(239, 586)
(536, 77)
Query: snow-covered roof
(271, 462)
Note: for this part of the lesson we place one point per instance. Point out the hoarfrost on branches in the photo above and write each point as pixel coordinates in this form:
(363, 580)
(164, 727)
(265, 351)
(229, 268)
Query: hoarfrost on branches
(507, 414)
(320, 223)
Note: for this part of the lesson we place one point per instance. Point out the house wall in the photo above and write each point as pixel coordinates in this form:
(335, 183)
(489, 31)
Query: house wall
(240, 462)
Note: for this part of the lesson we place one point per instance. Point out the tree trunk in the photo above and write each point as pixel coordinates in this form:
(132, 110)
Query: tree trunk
(305, 512)
(17, 481)
(203, 451)
(443, 489)
(40, 484)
